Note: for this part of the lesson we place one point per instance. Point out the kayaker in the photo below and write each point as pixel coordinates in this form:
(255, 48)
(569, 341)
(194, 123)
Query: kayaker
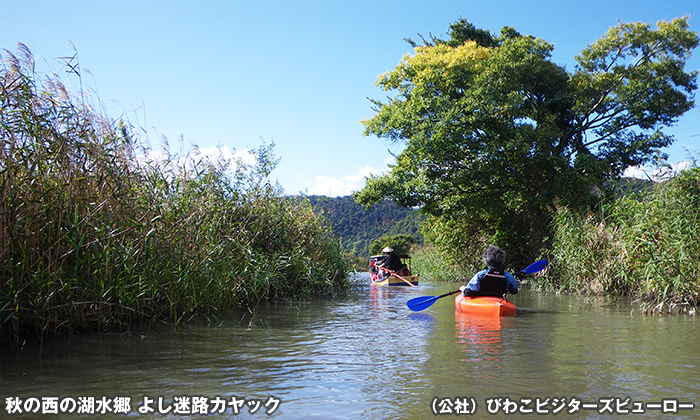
(493, 280)
(390, 261)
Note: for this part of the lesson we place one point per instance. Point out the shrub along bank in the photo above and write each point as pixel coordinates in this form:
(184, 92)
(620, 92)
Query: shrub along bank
(645, 245)
(94, 235)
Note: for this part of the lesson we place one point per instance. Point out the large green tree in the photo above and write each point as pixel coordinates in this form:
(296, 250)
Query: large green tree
(496, 133)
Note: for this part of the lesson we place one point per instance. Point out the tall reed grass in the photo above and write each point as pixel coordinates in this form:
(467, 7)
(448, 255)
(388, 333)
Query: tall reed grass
(433, 264)
(93, 235)
(646, 246)
(452, 252)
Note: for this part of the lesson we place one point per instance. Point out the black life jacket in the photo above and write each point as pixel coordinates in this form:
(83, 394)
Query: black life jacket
(493, 283)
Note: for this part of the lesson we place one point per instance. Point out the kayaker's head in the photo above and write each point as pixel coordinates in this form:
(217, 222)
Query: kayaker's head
(494, 257)
(388, 250)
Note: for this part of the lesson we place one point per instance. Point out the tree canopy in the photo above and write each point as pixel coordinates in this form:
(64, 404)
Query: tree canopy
(496, 133)
(401, 244)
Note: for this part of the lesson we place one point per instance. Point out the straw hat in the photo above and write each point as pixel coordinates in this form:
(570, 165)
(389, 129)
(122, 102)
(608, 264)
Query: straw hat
(388, 250)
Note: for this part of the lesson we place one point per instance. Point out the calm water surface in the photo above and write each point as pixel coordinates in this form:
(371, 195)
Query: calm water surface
(368, 356)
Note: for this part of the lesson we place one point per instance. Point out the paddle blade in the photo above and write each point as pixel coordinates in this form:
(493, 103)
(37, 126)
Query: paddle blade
(535, 267)
(420, 303)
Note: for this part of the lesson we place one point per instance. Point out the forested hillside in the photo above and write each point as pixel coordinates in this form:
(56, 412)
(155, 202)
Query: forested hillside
(357, 228)
(627, 186)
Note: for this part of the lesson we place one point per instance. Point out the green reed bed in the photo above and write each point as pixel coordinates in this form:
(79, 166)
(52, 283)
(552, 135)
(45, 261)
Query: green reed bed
(93, 235)
(646, 246)
(434, 264)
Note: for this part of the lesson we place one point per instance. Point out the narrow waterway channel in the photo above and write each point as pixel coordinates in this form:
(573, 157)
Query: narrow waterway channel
(367, 356)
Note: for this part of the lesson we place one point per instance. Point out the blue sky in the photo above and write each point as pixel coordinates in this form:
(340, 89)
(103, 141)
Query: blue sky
(298, 73)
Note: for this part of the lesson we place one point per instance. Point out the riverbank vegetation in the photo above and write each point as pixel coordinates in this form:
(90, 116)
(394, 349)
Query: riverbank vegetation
(94, 234)
(644, 245)
(505, 147)
(641, 243)
(497, 135)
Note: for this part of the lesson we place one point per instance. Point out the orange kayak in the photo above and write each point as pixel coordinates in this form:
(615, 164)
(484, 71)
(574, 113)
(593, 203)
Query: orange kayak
(484, 305)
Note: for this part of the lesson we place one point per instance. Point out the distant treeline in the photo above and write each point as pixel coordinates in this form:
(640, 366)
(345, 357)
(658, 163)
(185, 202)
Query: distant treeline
(356, 228)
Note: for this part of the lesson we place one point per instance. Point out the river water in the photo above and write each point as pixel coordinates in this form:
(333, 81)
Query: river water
(367, 356)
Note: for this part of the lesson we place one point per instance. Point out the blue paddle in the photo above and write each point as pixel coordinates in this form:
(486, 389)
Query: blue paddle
(423, 302)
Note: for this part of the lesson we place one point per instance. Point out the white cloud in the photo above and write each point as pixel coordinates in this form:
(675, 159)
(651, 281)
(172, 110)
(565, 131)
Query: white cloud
(196, 154)
(338, 187)
(244, 155)
(657, 174)
(366, 171)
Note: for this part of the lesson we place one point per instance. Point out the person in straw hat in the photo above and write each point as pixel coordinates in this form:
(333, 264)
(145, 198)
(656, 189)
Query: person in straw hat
(390, 261)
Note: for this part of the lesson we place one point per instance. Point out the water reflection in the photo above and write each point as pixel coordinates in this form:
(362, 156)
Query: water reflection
(480, 340)
(478, 336)
(368, 356)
